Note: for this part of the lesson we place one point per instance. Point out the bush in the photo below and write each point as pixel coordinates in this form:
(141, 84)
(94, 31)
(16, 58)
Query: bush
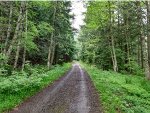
(119, 92)
(14, 89)
(134, 68)
(3, 59)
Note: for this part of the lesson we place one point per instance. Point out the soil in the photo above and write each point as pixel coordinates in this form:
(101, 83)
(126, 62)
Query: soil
(72, 93)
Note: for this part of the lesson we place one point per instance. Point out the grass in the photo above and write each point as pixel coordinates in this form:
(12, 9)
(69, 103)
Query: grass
(121, 93)
(18, 87)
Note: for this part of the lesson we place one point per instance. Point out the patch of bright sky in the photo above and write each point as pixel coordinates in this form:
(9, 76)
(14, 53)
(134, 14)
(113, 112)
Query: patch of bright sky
(78, 8)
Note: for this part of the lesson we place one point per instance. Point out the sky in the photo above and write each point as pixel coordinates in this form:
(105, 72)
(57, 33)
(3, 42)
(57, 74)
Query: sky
(78, 9)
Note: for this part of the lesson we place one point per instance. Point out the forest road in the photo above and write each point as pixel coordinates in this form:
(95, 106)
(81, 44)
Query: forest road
(72, 93)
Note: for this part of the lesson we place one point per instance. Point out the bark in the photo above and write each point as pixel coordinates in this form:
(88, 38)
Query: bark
(143, 43)
(115, 67)
(127, 49)
(26, 30)
(24, 58)
(138, 53)
(9, 28)
(141, 39)
(2, 35)
(148, 38)
(142, 57)
(145, 56)
(51, 41)
(53, 54)
(118, 19)
(1, 41)
(20, 17)
(18, 47)
(114, 59)
(17, 54)
(145, 59)
(49, 52)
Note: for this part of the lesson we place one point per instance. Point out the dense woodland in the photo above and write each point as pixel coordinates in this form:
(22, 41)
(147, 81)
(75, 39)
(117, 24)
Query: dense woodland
(117, 36)
(35, 33)
(35, 37)
(38, 44)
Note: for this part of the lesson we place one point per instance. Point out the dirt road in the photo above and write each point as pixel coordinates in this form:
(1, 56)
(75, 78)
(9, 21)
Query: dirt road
(73, 93)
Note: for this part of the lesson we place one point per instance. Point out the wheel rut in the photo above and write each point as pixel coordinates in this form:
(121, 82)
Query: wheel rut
(73, 93)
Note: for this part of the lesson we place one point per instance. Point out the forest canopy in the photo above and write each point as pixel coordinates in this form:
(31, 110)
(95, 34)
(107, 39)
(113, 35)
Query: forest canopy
(35, 32)
(40, 41)
(117, 36)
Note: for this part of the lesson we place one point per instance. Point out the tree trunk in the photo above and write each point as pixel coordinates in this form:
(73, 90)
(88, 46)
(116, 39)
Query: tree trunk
(142, 57)
(138, 53)
(20, 17)
(141, 39)
(9, 28)
(115, 66)
(1, 41)
(53, 54)
(127, 49)
(17, 54)
(49, 52)
(24, 58)
(145, 59)
(26, 30)
(143, 43)
(18, 47)
(51, 41)
(148, 37)
(114, 59)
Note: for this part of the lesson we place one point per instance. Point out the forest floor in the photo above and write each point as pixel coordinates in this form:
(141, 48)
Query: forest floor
(72, 93)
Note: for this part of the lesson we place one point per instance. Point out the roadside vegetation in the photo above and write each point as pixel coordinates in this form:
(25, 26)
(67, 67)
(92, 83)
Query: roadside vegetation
(116, 41)
(120, 93)
(16, 88)
(36, 40)
(116, 36)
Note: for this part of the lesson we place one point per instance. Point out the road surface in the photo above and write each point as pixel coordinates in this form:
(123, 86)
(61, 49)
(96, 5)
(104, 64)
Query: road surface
(73, 93)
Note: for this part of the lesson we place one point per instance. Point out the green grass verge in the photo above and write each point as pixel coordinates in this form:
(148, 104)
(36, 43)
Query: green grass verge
(18, 87)
(120, 93)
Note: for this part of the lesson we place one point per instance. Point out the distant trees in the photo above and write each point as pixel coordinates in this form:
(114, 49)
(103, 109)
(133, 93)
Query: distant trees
(38, 32)
(148, 39)
(112, 43)
(116, 36)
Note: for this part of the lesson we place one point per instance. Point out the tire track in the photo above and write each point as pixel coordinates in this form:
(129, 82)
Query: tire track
(73, 93)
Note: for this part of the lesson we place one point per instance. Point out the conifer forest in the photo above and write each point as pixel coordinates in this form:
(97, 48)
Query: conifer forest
(75, 56)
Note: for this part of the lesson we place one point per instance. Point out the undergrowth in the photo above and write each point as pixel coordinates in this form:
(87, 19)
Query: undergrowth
(16, 88)
(121, 93)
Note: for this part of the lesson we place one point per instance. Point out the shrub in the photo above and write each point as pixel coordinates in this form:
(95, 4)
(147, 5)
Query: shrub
(119, 92)
(15, 88)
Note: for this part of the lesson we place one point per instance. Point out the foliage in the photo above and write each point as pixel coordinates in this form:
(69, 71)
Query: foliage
(3, 58)
(18, 87)
(120, 93)
(134, 68)
(45, 28)
(115, 29)
(29, 29)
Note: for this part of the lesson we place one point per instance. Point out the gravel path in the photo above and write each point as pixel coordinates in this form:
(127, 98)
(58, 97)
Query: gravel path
(73, 93)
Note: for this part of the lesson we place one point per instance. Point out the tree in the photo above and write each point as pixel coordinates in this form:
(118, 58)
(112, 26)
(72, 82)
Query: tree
(113, 53)
(114, 35)
(36, 32)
